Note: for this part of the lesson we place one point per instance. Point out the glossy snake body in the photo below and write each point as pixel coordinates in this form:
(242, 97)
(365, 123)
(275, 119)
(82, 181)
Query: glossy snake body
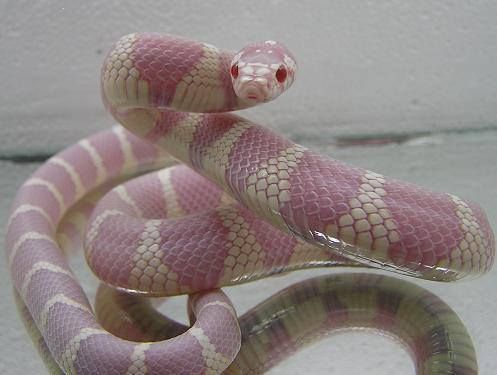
(175, 232)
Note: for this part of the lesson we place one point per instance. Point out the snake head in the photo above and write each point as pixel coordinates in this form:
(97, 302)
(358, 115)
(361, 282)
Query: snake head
(262, 71)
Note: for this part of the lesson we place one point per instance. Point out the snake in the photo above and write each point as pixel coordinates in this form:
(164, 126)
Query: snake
(243, 203)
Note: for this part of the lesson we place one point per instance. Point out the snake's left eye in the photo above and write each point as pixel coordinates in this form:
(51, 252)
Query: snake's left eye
(281, 74)
(234, 71)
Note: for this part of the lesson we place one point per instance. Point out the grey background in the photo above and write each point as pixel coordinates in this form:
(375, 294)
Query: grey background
(418, 78)
(387, 65)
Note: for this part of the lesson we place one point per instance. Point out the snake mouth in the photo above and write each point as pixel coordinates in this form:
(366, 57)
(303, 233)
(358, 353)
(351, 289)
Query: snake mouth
(252, 93)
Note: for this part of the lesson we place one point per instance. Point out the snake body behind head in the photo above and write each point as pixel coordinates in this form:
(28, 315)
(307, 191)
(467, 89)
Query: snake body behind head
(253, 204)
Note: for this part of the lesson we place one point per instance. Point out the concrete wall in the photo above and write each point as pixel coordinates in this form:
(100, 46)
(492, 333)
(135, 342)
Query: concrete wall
(365, 66)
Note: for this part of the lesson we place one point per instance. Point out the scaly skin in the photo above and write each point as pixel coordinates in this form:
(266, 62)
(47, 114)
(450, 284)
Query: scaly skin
(376, 220)
(156, 86)
(303, 313)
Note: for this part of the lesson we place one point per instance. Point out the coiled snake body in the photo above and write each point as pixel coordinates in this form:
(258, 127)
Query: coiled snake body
(175, 232)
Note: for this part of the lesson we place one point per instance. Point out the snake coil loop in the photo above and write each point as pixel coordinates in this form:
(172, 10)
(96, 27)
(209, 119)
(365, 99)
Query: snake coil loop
(196, 227)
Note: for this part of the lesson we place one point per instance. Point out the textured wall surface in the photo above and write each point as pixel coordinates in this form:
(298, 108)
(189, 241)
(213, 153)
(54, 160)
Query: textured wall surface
(370, 66)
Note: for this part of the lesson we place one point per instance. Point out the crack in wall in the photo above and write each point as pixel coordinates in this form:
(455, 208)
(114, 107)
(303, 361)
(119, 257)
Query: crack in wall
(343, 141)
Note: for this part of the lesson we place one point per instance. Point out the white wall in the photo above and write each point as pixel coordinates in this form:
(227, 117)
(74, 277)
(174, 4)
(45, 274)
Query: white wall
(369, 66)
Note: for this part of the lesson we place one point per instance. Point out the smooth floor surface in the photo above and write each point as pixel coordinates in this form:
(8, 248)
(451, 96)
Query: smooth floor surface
(461, 163)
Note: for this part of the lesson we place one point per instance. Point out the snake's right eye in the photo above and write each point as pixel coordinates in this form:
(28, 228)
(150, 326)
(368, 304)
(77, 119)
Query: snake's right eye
(281, 74)
(234, 71)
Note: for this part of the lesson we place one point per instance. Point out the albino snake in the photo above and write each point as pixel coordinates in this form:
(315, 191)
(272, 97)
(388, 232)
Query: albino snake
(174, 231)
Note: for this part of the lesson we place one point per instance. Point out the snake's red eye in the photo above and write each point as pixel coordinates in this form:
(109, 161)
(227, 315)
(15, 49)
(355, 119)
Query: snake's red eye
(281, 74)
(234, 71)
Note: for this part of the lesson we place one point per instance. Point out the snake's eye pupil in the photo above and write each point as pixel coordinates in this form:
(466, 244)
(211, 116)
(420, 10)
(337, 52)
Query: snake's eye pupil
(281, 74)
(234, 71)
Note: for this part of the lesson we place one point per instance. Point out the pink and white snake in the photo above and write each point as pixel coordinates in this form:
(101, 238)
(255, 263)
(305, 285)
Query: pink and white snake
(195, 228)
